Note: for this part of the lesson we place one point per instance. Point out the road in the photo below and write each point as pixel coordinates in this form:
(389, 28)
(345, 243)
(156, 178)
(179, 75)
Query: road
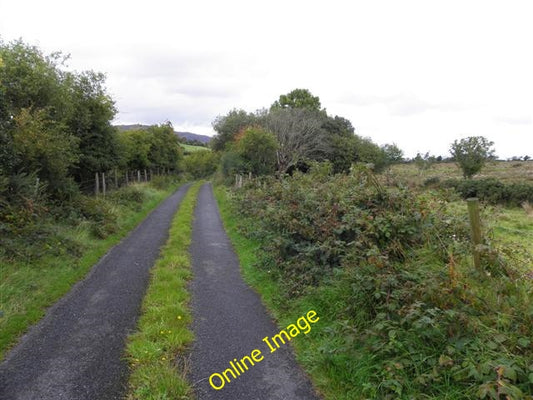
(75, 352)
(229, 322)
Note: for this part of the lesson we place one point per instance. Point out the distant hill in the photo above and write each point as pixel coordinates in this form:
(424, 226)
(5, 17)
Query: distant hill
(186, 135)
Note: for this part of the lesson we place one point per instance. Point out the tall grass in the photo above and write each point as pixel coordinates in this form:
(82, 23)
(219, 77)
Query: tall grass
(155, 351)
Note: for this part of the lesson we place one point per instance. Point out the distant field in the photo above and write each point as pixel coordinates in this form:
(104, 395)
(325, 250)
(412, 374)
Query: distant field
(192, 149)
(505, 171)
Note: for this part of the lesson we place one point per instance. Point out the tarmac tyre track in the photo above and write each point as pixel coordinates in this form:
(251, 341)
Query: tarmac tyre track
(75, 352)
(229, 321)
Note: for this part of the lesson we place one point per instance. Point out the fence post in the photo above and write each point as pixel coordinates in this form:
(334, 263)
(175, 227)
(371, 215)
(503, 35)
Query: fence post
(96, 185)
(475, 225)
(103, 183)
(127, 179)
(36, 191)
(145, 176)
(116, 179)
(138, 175)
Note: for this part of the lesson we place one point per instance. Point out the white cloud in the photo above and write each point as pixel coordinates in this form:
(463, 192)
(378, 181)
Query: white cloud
(417, 73)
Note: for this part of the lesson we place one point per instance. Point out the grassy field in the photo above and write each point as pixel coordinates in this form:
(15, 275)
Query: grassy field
(52, 275)
(505, 171)
(153, 351)
(509, 225)
(192, 149)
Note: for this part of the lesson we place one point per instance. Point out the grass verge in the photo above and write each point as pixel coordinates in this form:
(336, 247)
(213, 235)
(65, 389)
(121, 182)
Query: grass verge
(157, 370)
(65, 260)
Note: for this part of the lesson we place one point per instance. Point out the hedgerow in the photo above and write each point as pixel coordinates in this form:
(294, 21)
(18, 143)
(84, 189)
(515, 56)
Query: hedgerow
(408, 316)
(492, 190)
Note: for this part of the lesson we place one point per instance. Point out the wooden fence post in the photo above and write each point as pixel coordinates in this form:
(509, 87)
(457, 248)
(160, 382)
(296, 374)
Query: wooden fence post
(96, 185)
(116, 179)
(138, 175)
(103, 183)
(475, 224)
(145, 176)
(127, 180)
(36, 191)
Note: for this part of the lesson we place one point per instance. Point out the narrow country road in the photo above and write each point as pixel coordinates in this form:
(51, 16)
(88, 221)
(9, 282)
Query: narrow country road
(75, 352)
(229, 322)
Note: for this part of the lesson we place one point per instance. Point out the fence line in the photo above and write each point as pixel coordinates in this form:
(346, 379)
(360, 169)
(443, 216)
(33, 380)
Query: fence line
(106, 181)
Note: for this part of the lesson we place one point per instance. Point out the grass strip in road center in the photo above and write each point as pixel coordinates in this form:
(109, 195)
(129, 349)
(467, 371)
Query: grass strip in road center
(154, 351)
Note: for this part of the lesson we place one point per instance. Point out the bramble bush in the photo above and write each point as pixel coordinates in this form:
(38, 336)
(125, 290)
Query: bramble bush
(389, 269)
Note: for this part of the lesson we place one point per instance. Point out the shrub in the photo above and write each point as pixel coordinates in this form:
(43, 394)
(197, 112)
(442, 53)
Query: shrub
(101, 214)
(493, 191)
(311, 221)
(131, 196)
(201, 164)
(407, 317)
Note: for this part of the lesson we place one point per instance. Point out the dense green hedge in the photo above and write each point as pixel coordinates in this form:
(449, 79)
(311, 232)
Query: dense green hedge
(493, 191)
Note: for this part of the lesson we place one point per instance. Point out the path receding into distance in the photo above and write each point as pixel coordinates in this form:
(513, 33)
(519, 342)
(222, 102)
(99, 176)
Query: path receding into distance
(229, 321)
(75, 352)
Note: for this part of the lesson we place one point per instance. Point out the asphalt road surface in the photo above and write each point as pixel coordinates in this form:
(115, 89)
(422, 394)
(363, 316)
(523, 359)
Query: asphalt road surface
(229, 322)
(75, 352)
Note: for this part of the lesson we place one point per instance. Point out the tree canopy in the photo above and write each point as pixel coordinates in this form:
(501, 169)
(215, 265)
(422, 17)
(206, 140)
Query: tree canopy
(471, 154)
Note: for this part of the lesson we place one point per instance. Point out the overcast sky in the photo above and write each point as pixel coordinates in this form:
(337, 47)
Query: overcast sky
(417, 73)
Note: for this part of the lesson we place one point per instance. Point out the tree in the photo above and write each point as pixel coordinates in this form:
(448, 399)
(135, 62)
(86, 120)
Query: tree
(299, 134)
(298, 98)
(227, 126)
(44, 147)
(393, 153)
(471, 154)
(258, 149)
(92, 111)
(165, 150)
(201, 164)
(367, 151)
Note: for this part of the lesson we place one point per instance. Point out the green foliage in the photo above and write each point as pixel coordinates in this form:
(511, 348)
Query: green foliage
(52, 122)
(366, 151)
(393, 154)
(201, 164)
(151, 148)
(388, 269)
(298, 98)
(493, 191)
(101, 214)
(257, 148)
(43, 146)
(91, 111)
(231, 163)
(46, 255)
(228, 126)
(304, 132)
(471, 154)
(424, 162)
